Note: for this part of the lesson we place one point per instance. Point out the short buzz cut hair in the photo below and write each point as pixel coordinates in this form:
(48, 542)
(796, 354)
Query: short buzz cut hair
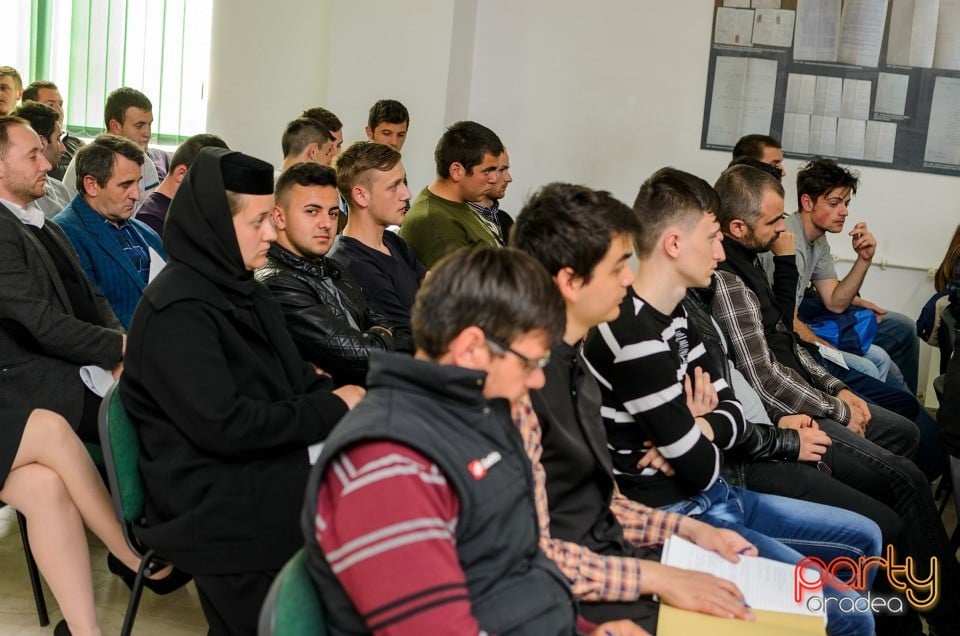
(9, 71)
(388, 111)
(564, 225)
(820, 175)
(118, 101)
(327, 119)
(188, 150)
(97, 158)
(42, 118)
(356, 164)
(502, 291)
(302, 132)
(669, 197)
(7, 122)
(465, 142)
(741, 189)
(32, 92)
(753, 145)
(304, 174)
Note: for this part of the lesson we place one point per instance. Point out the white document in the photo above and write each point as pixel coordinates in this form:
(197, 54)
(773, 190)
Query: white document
(156, 264)
(828, 96)
(947, 52)
(97, 379)
(766, 584)
(891, 93)
(742, 99)
(850, 137)
(773, 27)
(734, 26)
(861, 32)
(879, 141)
(765, 4)
(742, 4)
(817, 34)
(943, 132)
(831, 354)
(801, 90)
(913, 32)
(823, 136)
(796, 133)
(855, 103)
(313, 452)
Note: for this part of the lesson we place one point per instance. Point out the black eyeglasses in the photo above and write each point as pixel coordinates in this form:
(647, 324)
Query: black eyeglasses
(501, 349)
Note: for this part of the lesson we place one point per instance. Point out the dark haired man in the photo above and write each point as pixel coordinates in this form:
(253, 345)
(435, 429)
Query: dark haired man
(762, 148)
(46, 92)
(46, 122)
(440, 221)
(306, 140)
(11, 89)
(426, 477)
(333, 126)
(330, 320)
(370, 176)
(118, 252)
(387, 123)
(153, 211)
(129, 113)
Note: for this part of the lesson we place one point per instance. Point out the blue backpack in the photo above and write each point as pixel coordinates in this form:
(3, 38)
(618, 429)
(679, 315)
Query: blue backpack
(853, 330)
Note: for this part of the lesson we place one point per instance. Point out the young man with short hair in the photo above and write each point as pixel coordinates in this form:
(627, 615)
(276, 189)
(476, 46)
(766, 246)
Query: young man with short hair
(762, 148)
(11, 89)
(387, 123)
(440, 221)
(370, 176)
(46, 122)
(46, 92)
(116, 250)
(333, 125)
(330, 320)
(305, 140)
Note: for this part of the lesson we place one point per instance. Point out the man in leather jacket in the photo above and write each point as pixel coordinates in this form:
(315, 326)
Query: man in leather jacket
(333, 324)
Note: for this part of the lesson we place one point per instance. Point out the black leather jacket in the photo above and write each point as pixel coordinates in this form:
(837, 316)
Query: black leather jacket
(759, 442)
(330, 320)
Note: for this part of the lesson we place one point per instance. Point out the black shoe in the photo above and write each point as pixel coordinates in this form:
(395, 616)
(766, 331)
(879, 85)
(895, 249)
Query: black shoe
(171, 582)
(61, 628)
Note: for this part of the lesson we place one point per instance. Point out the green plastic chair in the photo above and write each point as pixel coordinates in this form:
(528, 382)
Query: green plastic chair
(292, 606)
(120, 442)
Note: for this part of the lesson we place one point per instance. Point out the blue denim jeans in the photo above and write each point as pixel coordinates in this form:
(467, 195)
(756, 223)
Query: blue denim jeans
(897, 335)
(876, 363)
(786, 530)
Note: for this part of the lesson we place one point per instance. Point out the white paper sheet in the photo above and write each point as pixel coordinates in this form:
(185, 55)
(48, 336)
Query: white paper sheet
(765, 4)
(743, 4)
(801, 90)
(831, 354)
(156, 264)
(773, 27)
(913, 32)
(742, 99)
(828, 96)
(947, 52)
(855, 103)
(850, 137)
(823, 136)
(879, 141)
(796, 133)
(861, 32)
(734, 26)
(891, 93)
(817, 34)
(943, 132)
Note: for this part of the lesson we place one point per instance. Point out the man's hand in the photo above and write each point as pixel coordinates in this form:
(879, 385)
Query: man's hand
(653, 459)
(701, 394)
(797, 421)
(726, 543)
(619, 628)
(118, 370)
(864, 243)
(813, 444)
(351, 394)
(866, 304)
(694, 591)
(859, 412)
(785, 245)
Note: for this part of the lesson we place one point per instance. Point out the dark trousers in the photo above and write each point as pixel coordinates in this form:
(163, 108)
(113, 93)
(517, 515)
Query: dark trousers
(231, 602)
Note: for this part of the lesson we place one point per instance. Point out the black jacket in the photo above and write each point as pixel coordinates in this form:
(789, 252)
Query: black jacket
(331, 321)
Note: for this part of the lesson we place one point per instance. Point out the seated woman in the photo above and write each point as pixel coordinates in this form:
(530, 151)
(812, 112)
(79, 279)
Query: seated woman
(947, 278)
(47, 474)
(225, 405)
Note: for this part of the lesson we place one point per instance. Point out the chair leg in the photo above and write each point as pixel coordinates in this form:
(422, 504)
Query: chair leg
(135, 592)
(34, 573)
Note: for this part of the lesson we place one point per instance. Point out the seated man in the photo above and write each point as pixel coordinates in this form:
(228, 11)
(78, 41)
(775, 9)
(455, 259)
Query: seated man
(116, 250)
(371, 178)
(305, 140)
(153, 211)
(46, 122)
(387, 123)
(489, 204)
(762, 148)
(425, 478)
(646, 358)
(788, 380)
(53, 321)
(440, 221)
(46, 92)
(333, 126)
(11, 89)
(331, 322)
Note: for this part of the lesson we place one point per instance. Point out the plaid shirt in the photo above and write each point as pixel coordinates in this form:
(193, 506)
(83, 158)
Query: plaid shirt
(593, 577)
(782, 389)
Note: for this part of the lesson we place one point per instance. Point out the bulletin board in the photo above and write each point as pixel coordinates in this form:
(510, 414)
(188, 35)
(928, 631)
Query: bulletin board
(868, 82)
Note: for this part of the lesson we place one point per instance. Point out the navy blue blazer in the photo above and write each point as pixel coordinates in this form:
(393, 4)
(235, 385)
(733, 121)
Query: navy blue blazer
(103, 258)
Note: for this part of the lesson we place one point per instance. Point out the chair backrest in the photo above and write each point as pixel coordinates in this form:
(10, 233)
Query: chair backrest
(292, 606)
(120, 441)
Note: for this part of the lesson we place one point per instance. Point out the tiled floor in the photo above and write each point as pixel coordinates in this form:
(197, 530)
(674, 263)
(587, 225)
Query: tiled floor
(176, 614)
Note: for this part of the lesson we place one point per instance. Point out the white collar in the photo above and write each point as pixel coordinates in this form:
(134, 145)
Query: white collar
(30, 215)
